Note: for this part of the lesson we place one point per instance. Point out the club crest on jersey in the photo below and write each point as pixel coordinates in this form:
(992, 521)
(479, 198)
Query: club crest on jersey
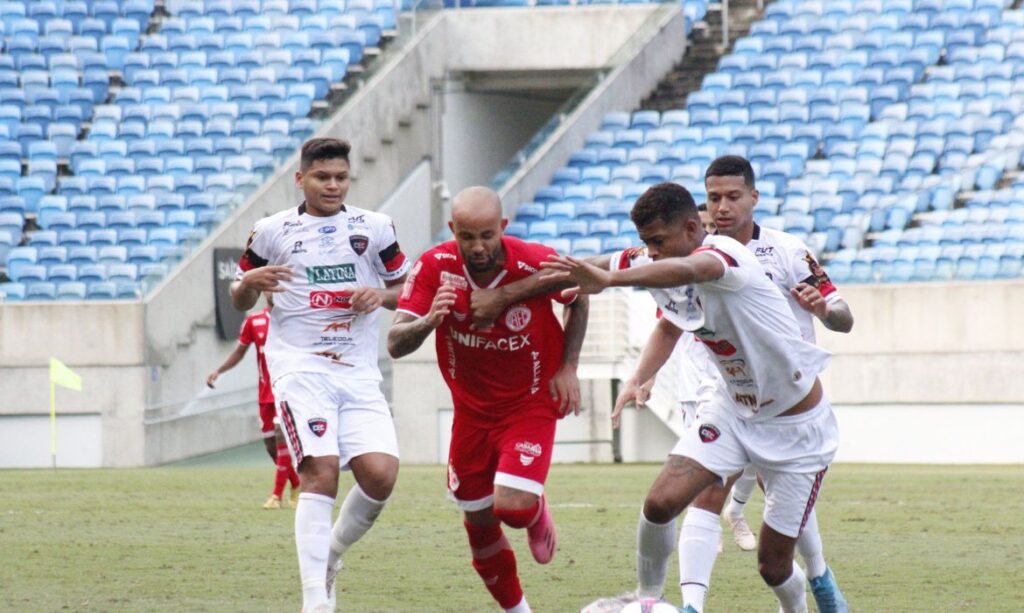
(708, 433)
(318, 425)
(359, 243)
(517, 318)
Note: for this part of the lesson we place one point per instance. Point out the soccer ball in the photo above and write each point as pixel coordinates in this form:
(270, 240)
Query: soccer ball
(649, 605)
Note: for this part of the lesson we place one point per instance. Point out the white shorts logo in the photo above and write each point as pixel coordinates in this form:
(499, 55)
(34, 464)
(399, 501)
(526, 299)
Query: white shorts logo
(525, 459)
(453, 479)
(517, 318)
(533, 449)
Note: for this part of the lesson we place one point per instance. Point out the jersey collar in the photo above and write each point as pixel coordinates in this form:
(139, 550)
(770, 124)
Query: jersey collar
(497, 279)
(302, 209)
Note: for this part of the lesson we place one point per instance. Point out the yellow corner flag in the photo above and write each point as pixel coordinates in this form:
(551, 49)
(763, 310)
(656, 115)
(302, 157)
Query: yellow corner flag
(63, 376)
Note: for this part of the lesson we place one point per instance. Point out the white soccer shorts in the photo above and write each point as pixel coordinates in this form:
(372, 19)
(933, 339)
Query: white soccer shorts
(323, 415)
(790, 453)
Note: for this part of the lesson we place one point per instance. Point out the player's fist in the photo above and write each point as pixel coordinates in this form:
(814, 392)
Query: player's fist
(211, 378)
(565, 388)
(810, 299)
(485, 305)
(266, 278)
(442, 305)
(366, 299)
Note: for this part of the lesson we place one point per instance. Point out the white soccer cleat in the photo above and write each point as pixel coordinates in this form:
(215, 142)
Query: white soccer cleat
(320, 608)
(741, 533)
(332, 594)
(611, 604)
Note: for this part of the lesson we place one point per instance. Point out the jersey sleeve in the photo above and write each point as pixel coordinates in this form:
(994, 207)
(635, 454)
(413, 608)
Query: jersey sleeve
(391, 263)
(257, 251)
(245, 335)
(634, 256)
(806, 269)
(737, 265)
(420, 287)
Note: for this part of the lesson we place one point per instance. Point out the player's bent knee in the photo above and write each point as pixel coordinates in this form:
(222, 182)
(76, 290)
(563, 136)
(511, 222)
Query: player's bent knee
(774, 567)
(516, 517)
(659, 509)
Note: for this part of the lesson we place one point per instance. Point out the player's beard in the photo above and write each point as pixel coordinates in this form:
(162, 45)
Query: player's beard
(487, 266)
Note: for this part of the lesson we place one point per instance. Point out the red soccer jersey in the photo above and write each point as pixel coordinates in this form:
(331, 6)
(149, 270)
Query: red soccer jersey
(254, 332)
(505, 369)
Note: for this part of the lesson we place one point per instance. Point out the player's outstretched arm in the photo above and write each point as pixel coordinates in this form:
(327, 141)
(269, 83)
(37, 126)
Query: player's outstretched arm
(408, 332)
(232, 360)
(246, 290)
(565, 385)
(656, 352)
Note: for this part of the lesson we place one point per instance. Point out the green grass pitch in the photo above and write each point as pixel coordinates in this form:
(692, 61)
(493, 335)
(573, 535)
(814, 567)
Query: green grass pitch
(194, 538)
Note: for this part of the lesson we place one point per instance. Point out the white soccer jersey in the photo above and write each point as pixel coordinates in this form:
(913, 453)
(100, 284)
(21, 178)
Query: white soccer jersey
(748, 327)
(314, 328)
(788, 261)
(698, 376)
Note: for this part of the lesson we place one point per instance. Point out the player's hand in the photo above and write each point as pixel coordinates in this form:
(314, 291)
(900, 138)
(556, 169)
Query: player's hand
(443, 302)
(565, 388)
(643, 393)
(366, 299)
(810, 300)
(484, 307)
(266, 278)
(589, 278)
(211, 378)
(630, 393)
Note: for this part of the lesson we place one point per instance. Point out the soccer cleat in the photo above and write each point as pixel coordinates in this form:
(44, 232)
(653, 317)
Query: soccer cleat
(827, 594)
(332, 574)
(611, 604)
(541, 535)
(741, 533)
(272, 503)
(293, 499)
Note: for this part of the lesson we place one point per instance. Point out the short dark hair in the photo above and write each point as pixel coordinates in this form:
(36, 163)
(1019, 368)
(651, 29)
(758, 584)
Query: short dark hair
(732, 166)
(702, 207)
(316, 149)
(664, 201)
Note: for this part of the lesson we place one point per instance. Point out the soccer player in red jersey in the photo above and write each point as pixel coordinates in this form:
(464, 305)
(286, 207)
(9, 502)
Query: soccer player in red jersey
(254, 332)
(510, 382)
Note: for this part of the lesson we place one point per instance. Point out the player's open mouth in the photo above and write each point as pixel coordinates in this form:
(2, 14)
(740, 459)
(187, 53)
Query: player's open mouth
(723, 222)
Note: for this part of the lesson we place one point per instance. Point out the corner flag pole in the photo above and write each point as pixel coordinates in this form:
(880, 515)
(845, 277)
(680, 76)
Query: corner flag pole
(63, 376)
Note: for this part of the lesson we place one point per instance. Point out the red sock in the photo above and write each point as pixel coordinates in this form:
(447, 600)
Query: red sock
(520, 518)
(495, 562)
(284, 467)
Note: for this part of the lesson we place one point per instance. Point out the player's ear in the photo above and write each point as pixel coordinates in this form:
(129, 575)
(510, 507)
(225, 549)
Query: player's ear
(504, 222)
(756, 194)
(451, 226)
(298, 178)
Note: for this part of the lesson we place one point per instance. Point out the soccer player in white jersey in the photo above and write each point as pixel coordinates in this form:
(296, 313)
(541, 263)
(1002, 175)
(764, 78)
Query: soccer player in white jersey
(332, 266)
(789, 263)
(769, 408)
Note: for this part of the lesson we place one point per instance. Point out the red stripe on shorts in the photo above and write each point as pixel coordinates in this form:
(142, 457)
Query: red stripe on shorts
(289, 427)
(812, 498)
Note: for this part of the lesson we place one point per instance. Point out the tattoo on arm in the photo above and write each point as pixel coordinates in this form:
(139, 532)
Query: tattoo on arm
(407, 334)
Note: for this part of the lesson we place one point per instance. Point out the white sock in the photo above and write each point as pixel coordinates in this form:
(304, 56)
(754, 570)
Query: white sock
(356, 517)
(741, 492)
(791, 593)
(698, 548)
(522, 607)
(810, 548)
(654, 546)
(312, 538)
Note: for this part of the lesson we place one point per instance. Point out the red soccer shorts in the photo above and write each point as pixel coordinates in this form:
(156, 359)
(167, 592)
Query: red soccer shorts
(267, 414)
(515, 453)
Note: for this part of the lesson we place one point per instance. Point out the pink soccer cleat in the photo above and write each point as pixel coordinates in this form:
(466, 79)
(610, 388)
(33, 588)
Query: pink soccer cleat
(541, 535)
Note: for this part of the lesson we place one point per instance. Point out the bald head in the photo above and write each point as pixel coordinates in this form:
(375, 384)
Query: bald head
(477, 225)
(476, 206)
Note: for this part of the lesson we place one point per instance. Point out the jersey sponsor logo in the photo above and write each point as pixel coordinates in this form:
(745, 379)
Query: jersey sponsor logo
(335, 273)
(747, 400)
(708, 433)
(518, 317)
(358, 220)
(525, 460)
(337, 326)
(328, 230)
(298, 248)
(318, 426)
(455, 280)
(734, 368)
(333, 356)
(671, 306)
(475, 341)
(291, 226)
(330, 300)
(410, 281)
(326, 245)
(535, 384)
(444, 256)
(533, 449)
(359, 243)
(722, 347)
(764, 251)
(526, 267)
